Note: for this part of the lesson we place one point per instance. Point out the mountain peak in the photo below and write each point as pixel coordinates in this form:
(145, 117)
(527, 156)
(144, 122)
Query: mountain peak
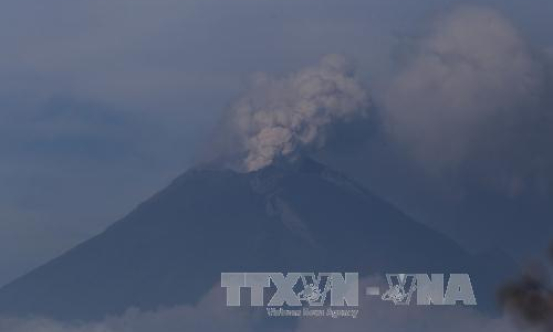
(290, 216)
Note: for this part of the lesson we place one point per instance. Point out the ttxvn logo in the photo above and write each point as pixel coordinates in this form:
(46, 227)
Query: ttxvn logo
(294, 289)
(336, 289)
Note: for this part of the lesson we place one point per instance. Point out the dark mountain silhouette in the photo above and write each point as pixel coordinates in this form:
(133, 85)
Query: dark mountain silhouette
(291, 216)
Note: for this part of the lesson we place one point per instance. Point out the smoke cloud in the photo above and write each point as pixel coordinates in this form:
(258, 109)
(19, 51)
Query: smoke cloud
(531, 298)
(473, 98)
(281, 116)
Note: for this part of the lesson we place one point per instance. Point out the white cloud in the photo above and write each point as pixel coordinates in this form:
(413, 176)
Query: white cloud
(211, 314)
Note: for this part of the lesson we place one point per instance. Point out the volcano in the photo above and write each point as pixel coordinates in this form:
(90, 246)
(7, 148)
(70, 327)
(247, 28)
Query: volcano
(289, 216)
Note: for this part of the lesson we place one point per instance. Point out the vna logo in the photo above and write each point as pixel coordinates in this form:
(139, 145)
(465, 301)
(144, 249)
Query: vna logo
(429, 289)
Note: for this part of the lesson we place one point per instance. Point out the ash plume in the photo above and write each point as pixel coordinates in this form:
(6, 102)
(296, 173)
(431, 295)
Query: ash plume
(473, 86)
(279, 117)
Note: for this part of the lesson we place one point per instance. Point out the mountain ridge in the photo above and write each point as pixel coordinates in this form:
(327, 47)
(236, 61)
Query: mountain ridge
(290, 216)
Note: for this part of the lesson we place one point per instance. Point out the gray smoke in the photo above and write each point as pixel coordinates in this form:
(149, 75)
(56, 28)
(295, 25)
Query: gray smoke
(282, 116)
(531, 298)
(472, 98)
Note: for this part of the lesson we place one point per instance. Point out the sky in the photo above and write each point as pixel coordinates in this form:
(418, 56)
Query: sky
(103, 103)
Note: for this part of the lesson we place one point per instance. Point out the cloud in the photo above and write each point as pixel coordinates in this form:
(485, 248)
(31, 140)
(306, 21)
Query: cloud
(283, 116)
(211, 314)
(473, 99)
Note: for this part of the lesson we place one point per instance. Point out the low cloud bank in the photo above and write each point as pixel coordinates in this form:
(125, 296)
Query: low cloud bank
(211, 314)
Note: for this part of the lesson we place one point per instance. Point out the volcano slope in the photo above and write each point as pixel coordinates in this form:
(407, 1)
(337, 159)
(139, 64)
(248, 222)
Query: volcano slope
(288, 217)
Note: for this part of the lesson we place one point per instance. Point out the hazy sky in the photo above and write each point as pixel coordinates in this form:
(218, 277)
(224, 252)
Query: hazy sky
(104, 102)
